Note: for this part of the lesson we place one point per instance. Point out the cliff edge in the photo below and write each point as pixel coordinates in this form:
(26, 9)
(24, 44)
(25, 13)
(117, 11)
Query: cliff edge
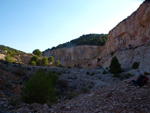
(130, 41)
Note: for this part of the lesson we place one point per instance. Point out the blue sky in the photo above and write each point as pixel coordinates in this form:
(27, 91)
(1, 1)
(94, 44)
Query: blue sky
(40, 24)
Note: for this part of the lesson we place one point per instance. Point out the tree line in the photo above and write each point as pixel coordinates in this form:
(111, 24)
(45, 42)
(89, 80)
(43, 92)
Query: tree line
(38, 60)
(88, 39)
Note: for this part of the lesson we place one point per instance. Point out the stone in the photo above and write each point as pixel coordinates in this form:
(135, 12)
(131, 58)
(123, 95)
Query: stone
(45, 106)
(23, 110)
(10, 107)
(36, 107)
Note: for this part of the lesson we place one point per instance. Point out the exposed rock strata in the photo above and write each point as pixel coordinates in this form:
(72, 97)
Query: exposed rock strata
(75, 56)
(129, 40)
(131, 32)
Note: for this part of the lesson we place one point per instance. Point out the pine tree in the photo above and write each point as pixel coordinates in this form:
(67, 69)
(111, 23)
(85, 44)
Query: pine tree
(115, 66)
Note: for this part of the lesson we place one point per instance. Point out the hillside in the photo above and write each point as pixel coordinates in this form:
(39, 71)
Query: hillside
(12, 55)
(79, 51)
(88, 39)
(84, 90)
(9, 50)
(79, 81)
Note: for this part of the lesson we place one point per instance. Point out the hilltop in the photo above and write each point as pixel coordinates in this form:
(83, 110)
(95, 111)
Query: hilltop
(88, 39)
(79, 51)
(13, 55)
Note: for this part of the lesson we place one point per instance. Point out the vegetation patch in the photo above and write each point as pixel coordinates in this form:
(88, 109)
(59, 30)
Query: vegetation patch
(37, 52)
(116, 75)
(69, 67)
(89, 39)
(105, 72)
(115, 66)
(146, 73)
(87, 73)
(128, 75)
(57, 63)
(40, 88)
(112, 53)
(98, 59)
(9, 59)
(135, 65)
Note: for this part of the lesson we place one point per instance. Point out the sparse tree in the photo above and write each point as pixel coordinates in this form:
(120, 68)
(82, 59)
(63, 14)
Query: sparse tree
(33, 63)
(57, 63)
(34, 58)
(44, 61)
(115, 66)
(51, 59)
(135, 65)
(39, 89)
(37, 52)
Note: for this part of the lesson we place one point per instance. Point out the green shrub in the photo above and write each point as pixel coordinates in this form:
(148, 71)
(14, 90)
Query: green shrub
(112, 53)
(115, 66)
(57, 63)
(69, 67)
(33, 63)
(135, 65)
(87, 73)
(39, 89)
(61, 66)
(34, 58)
(89, 64)
(9, 59)
(98, 59)
(116, 75)
(54, 77)
(105, 72)
(146, 73)
(44, 61)
(128, 75)
(51, 59)
(37, 52)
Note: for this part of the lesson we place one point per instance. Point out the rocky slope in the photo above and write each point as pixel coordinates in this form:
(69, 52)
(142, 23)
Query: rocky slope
(130, 41)
(123, 97)
(13, 76)
(120, 98)
(74, 56)
(15, 55)
(107, 94)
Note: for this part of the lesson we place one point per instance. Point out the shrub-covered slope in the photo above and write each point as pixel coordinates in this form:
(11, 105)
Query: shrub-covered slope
(89, 39)
(12, 55)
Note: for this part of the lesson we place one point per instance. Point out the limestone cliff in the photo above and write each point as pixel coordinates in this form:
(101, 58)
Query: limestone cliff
(129, 40)
(74, 56)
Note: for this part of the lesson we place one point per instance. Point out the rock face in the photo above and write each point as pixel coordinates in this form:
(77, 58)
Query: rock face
(2, 57)
(75, 56)
(131, 32)
(130, 40)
